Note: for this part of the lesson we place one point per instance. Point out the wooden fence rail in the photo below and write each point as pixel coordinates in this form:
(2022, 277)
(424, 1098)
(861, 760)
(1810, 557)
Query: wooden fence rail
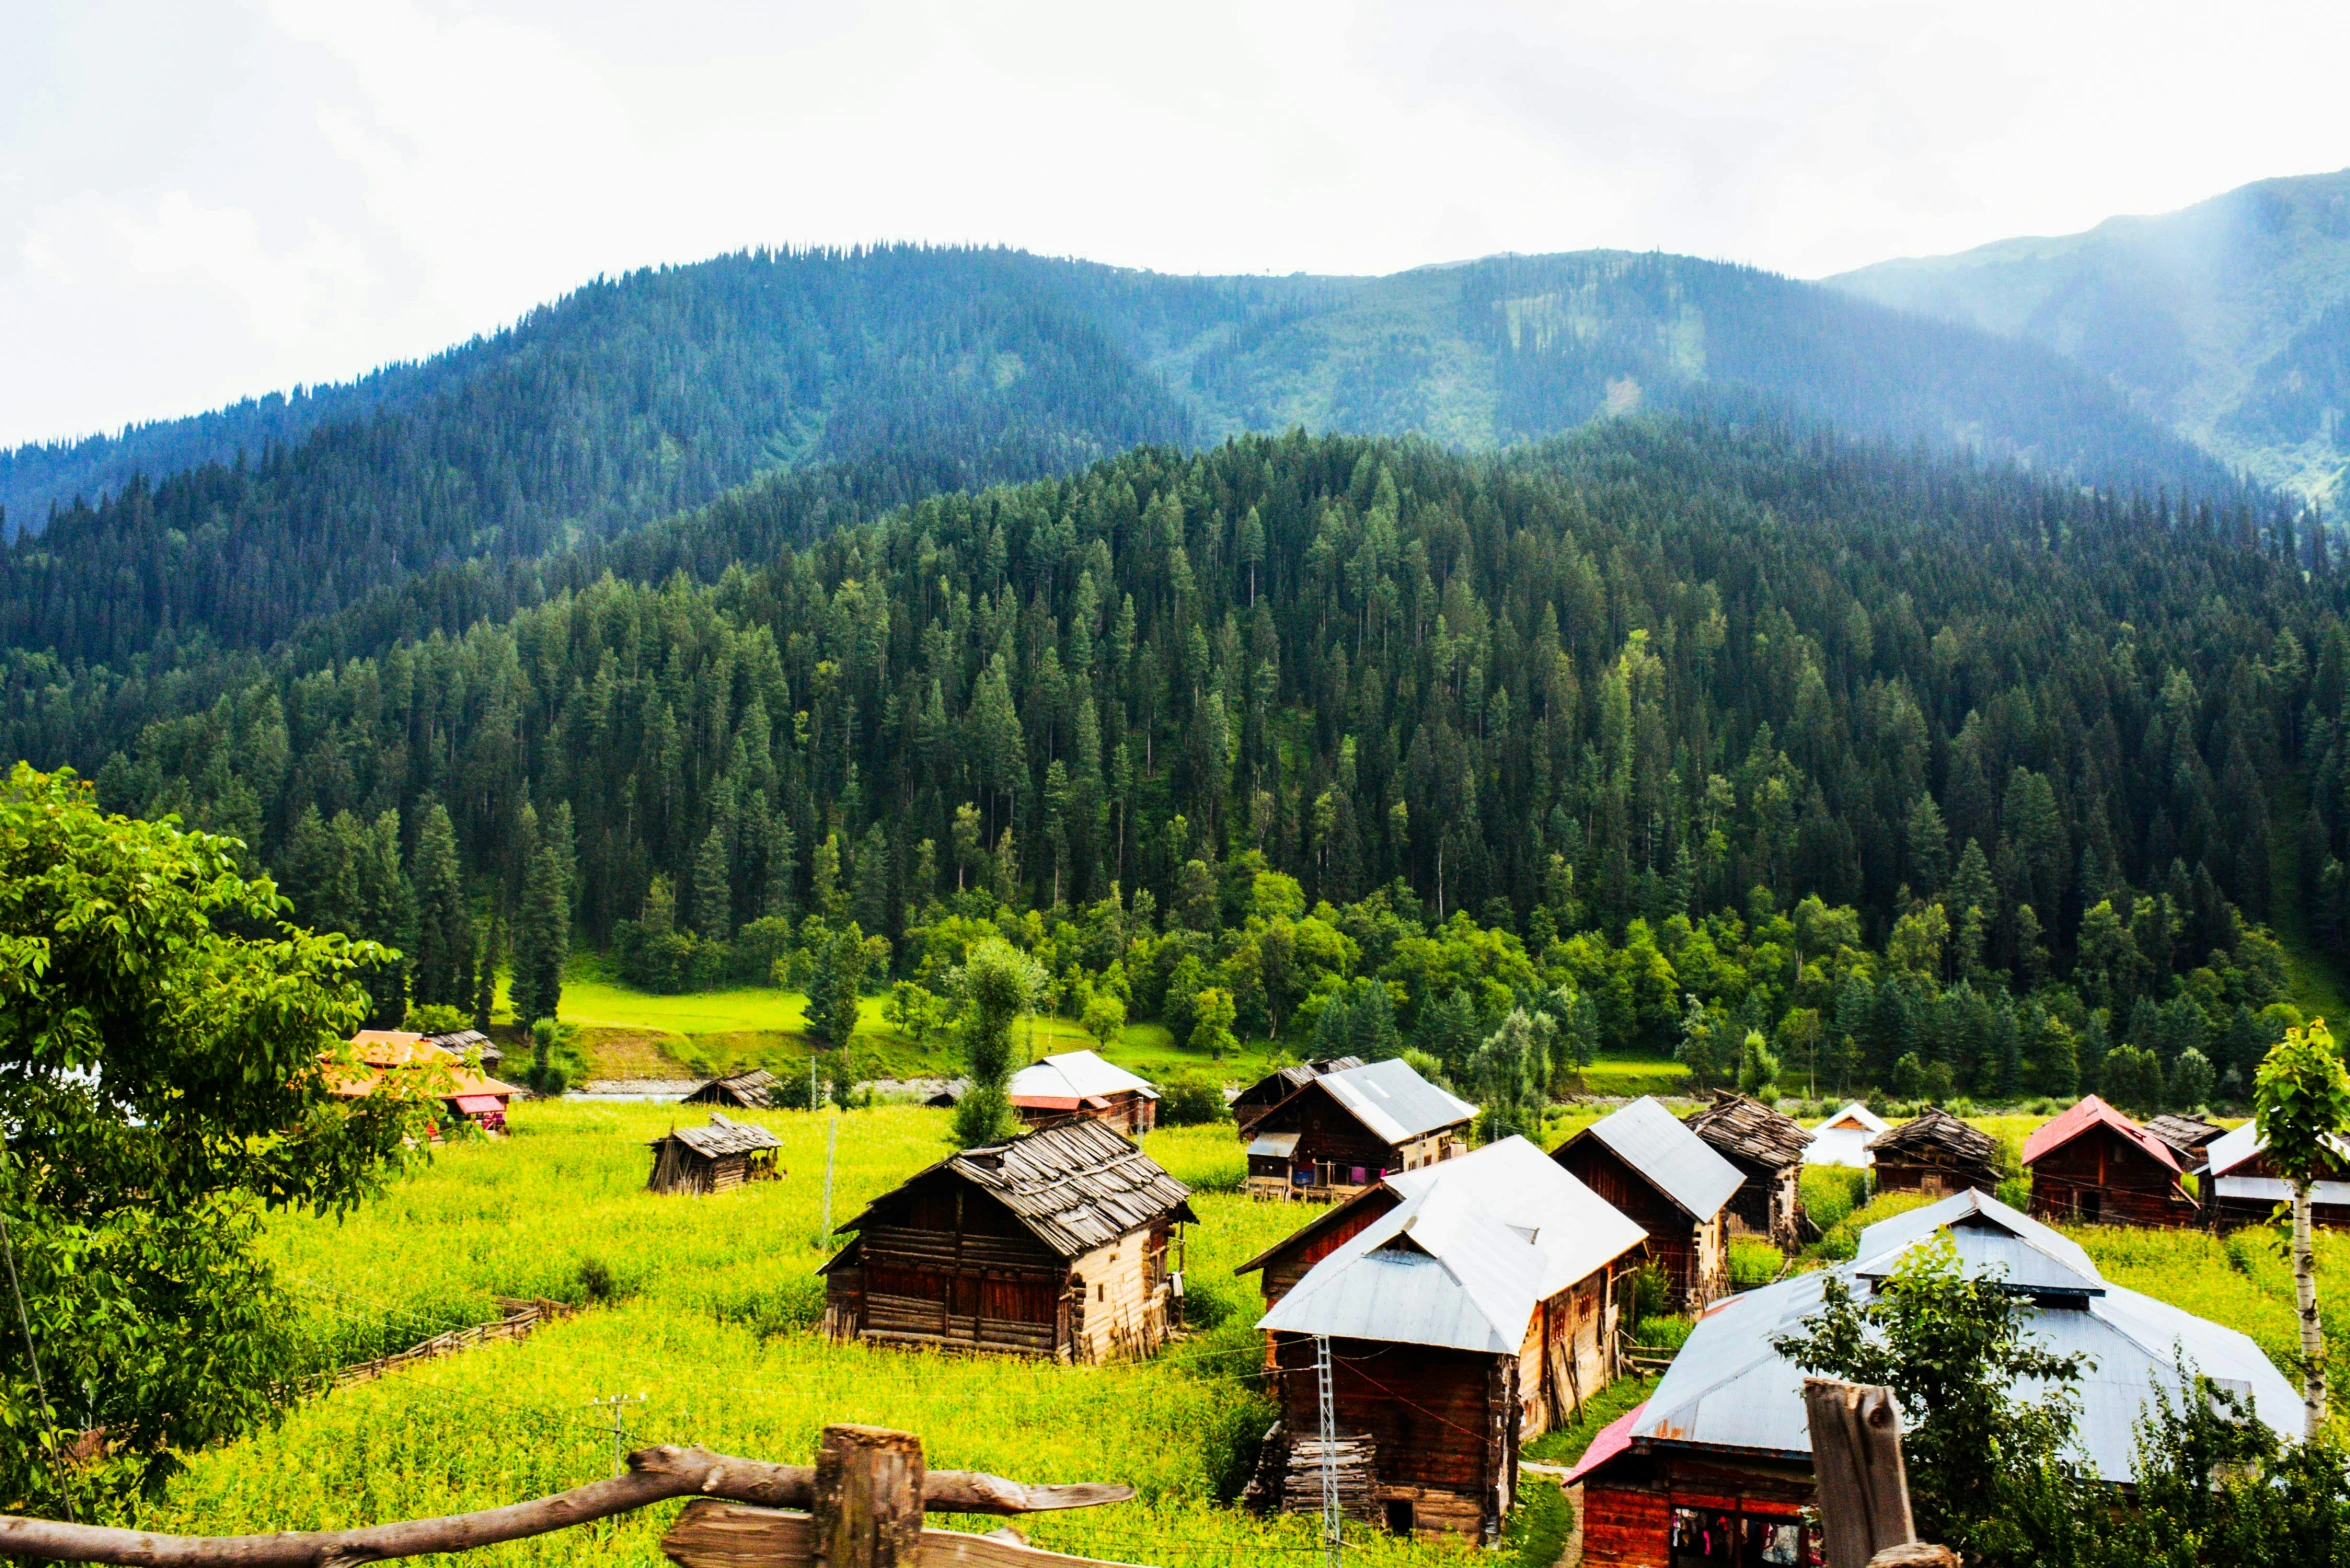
(866, 1494)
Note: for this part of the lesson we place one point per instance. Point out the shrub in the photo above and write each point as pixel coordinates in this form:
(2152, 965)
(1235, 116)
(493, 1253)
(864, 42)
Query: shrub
(1189, 1100)
(1753, 1262)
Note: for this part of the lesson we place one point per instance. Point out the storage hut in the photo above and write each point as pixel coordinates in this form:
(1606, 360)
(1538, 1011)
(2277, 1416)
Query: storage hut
(2096, 1166)
(1673, 1185)
(1054, 1244)
(1340, 1133)
(1474, 1314)
(1843, 1139)
(1935, 1153)
(402, 1058)
(1079, 1083)
(1254, 1101)
(471, 1044)
(745, 1091)
(2190, 1138)
(1768, 1150)
(1716, 1466)
(2240, 1187)
(716, 1158)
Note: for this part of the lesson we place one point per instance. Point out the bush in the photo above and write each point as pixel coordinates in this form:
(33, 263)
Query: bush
(1664, 1333)
(1832, 1192)
(1189, 1100)
(1753, 1262)
(437, 1018)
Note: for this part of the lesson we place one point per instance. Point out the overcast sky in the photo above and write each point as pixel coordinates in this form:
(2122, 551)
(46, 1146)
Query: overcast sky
(201, 201)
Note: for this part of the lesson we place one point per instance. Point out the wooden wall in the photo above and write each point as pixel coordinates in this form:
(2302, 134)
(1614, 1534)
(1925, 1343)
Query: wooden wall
(1441, 1421)
(1566, 1358)
(1285, 1268)
(1693, 1254)
(1629, 1507)
(2102, 1177)
(1933, 1180)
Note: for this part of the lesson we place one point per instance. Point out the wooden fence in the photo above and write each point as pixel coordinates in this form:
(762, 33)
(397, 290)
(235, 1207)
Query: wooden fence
(860, 1506)
(519, 1319)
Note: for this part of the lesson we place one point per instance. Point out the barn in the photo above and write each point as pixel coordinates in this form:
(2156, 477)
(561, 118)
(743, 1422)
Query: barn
(1339, 1133)
(1671, 1183)
(1476, 1312)
(2240, 1187)
(1843, 1139)
(1056, 1243)
(1768, 1149)
(717, 1158)
(1716, 1466)
(1079, 1083)
(1936, 1154)
(2093, 1165)
(754, 1090)
(1254, 1101)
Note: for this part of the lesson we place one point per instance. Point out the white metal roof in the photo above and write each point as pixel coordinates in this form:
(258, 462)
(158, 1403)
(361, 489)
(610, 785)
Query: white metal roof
(1075, 1075)
(1728, 1388)
(1393, 1100)
(2272, 1189)
(1477, 1244)
(1855, 1117)
(1843, 1138)
(1274, 1145)
(1683, 1166)
(2238, 1144)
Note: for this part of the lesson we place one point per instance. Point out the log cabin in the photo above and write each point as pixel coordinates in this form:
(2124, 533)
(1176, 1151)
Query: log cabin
(2241, 1188)
(1715, 1468)
(2190, 1138)
(2095, 1166)
(1079, 1083)
(1254, 1101)
(1936, 1154)
(1843, 1139)
(1053, 1244)
(1475, 1312)
(1338, 1134)
(754, 1090)
(717, 1158)
(1671, 1183)
(1767, 1148)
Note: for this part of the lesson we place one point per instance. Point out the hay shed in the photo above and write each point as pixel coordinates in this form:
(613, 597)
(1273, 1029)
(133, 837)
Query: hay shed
(717, 1158)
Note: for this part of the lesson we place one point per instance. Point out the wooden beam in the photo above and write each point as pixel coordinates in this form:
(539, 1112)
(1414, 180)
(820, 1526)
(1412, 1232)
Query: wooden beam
(1856, 1459)
(868, 1498)
(728, 1535)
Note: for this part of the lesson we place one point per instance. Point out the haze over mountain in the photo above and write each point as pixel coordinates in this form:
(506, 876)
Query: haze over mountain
(2229, 320)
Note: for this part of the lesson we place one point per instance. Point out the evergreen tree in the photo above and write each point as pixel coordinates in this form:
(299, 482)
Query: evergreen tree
(542, 933)
(444, 929)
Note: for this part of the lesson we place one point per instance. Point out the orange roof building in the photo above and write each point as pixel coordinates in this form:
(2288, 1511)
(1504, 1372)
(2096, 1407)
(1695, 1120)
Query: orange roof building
(382, 1054)
(2094, 1165)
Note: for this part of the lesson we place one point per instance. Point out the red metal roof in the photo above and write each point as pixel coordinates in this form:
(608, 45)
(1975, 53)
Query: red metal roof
(2091, 1112)
(1613, 1439)
(480, 1104)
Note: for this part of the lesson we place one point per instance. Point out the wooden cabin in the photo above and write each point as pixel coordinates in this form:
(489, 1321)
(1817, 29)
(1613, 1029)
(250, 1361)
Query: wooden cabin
(1715, 1467)
(1079, 1083)
(1474, 1311)
(1338, 1134)
(754, 1090)
(2095, 1166)
(1054, 1244)
(2189, 1137)
(1768, 1149)
(1278, 1085)
(472, 1045)
(1671, 1183)
(405, 1061)
(717, 1158)
(1936, 1154)
(2240, 1187)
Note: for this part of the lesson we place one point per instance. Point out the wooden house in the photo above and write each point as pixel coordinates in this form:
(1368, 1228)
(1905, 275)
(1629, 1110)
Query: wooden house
(2093, 1165)
(405, 1061)
(716, 1158)
(754, 1090)
(1475, 1311)
(1338, 1134)
(1079, 1083)
(1054, 1244)
(1671, 1183)
(1768, 1149)
(2240, 1187)
(1279, 1084)
(2190, 1138)
(1715, 1468)
(1936, 1154)
(473, 1045)
(1843, 1139)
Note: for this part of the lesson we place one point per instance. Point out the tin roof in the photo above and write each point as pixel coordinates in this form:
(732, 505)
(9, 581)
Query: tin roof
(1076, 1185)
(1855, 1117)
(2090, 1112)
(1729, 1389)
(723, 1136)
(2238, 1144)
(1650, 1139)
(1394, 1101)
(1475, 1247)
(1274, 1145)
(1061, 1082)
(1282, 1082)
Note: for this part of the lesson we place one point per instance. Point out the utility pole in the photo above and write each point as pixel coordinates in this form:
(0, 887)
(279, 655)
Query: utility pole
(811, 1083)
(831, 1147)
(1331, 1519)
(619, 1425)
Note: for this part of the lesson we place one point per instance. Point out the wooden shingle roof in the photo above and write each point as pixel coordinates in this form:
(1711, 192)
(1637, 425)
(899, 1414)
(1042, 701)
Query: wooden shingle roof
(1076, 1184)
(723, 1136)
(752, 1090)
(1746, 1129)
(1935, 1137)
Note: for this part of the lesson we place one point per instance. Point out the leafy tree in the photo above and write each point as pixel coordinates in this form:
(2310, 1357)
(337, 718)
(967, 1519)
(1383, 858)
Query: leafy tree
(1212, 1014)
(2132, 1078)
(997, 983)
(170, 1045)
(1511, 1072)
(2190, 1080)
(1758, 1069)
(2301, 1100)
(1104, 1017)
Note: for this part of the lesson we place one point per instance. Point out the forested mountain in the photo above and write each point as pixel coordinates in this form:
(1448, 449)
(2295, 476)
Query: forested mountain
(2229, 320)
(930, 369)
(1607, 688)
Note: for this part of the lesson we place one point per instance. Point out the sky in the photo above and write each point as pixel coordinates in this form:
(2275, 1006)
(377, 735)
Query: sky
(207, 199)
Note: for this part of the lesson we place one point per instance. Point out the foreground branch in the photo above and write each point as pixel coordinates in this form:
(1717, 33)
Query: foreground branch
(654, 1475)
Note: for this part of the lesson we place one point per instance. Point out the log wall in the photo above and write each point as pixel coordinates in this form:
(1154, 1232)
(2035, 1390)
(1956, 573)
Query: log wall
(1440, 1424)
(2101, 1177)
(1632, 1507)
(1693, 1253)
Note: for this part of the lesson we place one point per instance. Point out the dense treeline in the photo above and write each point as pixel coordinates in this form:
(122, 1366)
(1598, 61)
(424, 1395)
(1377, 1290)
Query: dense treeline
(2006, 732)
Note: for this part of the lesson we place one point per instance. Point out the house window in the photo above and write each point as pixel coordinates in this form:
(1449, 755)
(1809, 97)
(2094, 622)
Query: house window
(1714, 1538)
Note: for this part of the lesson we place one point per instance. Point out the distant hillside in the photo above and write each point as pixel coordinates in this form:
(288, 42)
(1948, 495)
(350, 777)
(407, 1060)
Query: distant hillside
(2229, 321)
(922, 370)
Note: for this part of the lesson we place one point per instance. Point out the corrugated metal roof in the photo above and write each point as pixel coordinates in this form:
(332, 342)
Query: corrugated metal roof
(1856, 1117)
(1077, 1185)
(1650, 1139)
(2271, 1189)
(1728, 1388)
(1394, 1101)
(2238, 1144)
(724, 1135)
(1073, 1076)
(1274, 1145)
(2088, 1112)
(1476, 1245)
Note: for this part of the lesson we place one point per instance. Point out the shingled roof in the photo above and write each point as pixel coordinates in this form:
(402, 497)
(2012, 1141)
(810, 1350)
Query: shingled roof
(2187, 1135)
(1076, 1184)
(1746, 1129)
(753, 1090)
(1936, 1137)
(724, 1135)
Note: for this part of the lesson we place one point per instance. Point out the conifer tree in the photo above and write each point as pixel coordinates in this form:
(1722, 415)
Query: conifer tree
(444, 929)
